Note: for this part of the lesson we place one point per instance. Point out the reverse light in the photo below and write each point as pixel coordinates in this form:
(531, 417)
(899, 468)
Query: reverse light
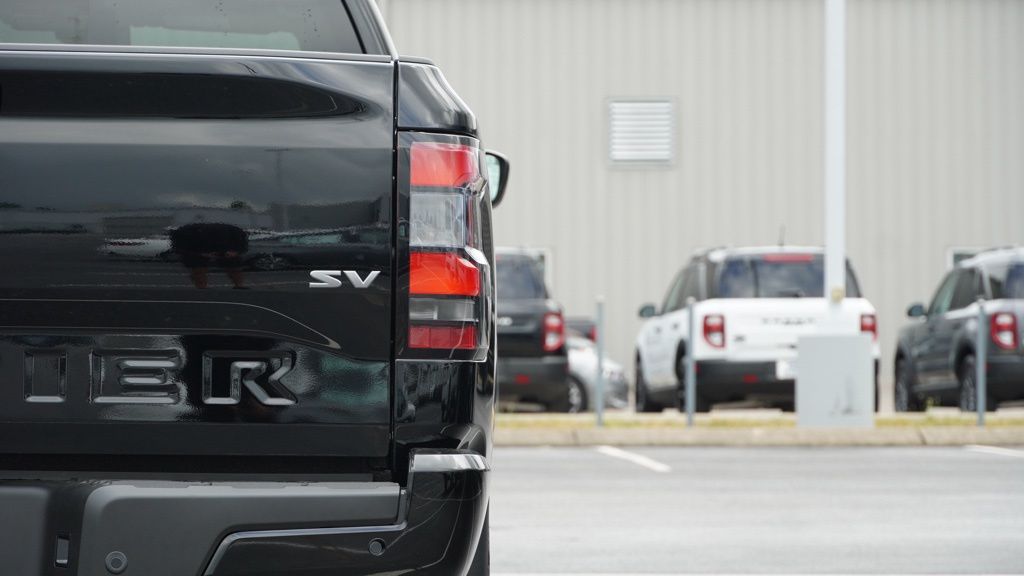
(1003, 328)
(554, 331)
(445, 279)
(714, 330)
(869, 325)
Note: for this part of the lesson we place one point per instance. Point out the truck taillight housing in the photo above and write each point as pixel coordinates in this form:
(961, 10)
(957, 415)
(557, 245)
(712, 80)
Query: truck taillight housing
(869, 325)
(554, 331)
(449, 274)
(714, 330)
(1003, 328)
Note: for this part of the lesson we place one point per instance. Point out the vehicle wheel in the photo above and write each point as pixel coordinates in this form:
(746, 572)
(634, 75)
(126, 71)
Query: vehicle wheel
(643, 401)
(574, 401)
(269, 262)
(482, 560)
(967, 375)
(905, 400)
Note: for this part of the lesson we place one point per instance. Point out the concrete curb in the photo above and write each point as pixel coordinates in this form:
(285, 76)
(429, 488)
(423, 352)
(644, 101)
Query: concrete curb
(773, 436)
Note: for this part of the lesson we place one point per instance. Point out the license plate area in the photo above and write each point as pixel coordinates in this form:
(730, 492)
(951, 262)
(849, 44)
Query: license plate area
(785, 370)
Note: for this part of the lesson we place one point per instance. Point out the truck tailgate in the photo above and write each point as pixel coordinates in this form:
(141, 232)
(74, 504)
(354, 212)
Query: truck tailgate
(160, 215)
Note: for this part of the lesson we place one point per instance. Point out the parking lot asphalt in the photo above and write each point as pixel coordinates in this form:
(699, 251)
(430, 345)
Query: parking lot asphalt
(604, 510)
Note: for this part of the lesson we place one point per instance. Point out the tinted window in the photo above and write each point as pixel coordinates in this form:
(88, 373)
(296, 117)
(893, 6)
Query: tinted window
(778, 276)
(944, 295)
(966, 290)
(310, 25)
(686, 288)
(519, 278)
(673, 293)
(1007, 281)
(691, 286)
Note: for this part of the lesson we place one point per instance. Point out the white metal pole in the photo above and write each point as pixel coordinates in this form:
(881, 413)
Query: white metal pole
(981, 363)
(835, 152)
(600, 385)
(690, 373)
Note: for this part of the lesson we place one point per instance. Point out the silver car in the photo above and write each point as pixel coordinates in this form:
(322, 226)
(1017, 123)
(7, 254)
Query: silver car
(583, 377)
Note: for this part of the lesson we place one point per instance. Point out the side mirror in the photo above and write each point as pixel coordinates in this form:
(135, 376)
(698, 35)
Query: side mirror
(916, 311)
(648, 311)
(497, 175)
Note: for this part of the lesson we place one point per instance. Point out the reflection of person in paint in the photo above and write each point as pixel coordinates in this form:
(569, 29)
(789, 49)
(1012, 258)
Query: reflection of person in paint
(201, 246)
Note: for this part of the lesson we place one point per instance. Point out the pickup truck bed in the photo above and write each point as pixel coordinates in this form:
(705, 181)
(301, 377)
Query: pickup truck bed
(210, 362)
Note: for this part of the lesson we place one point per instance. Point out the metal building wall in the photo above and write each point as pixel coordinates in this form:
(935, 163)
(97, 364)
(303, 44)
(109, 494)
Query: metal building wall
(936, 133)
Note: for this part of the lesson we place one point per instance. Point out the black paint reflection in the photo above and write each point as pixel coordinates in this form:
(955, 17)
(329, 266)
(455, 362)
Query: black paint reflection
(201, 246)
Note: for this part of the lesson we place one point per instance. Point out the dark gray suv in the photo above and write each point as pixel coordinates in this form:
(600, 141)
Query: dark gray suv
(936, 357)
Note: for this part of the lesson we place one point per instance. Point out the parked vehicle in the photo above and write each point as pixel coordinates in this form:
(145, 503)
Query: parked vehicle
(534, 363)
(583, 326)
(583, 363)
(936, 357)
(752, 306)
(201, 416)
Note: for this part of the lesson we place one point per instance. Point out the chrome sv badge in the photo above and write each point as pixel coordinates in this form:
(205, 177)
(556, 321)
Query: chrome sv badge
(332, 278)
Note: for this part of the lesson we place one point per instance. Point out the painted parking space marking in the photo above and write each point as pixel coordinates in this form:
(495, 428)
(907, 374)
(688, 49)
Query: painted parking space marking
(995, 450)
(638, 459)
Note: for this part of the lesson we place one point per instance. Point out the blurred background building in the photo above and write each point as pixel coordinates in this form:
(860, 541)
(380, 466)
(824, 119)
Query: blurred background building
(642, 130)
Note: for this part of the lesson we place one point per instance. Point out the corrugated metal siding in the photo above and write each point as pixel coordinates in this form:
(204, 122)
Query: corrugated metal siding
(936, 134)
(936, 141)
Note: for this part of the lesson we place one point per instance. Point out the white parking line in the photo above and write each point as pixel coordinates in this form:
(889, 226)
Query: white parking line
(637, 459)
(995, 450)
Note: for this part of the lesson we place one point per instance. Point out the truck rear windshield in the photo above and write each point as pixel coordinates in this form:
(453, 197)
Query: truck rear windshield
(1007, 281)
(519, 278)
(778, 276)
(308, 25)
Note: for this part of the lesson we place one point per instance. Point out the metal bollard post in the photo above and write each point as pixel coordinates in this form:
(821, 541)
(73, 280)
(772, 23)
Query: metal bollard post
(981, 363)
(690, 378)
(599, 329)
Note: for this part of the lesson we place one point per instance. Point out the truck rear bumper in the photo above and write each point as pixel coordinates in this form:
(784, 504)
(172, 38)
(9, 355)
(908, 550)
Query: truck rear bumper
(1006, 377)
(158, 528)
(723, 381)
(542, 379)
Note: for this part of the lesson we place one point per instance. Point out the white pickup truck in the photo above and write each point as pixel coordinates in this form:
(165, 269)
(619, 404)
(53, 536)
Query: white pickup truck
(752, 306)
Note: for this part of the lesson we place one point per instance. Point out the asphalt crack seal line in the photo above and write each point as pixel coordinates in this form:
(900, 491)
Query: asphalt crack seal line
(637, 459)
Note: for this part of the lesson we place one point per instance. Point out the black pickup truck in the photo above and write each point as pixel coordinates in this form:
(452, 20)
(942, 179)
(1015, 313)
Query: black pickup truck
(183, 412)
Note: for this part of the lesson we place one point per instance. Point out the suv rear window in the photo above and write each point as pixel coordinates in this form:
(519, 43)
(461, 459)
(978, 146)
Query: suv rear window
(778, 276)
(1007, 281)
(519, 278)
(307, 25)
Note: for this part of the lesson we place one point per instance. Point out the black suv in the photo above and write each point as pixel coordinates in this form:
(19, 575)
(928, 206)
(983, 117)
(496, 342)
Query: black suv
(195, 413)
(937, 357)
(534, 363)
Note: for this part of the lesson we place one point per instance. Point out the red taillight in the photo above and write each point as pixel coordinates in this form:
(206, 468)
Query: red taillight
(446, 277)
(554, 331)
(1003, 327)
(442, 274)
(714, 330)
(438, 164)
(869, 325)
(442, 337)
